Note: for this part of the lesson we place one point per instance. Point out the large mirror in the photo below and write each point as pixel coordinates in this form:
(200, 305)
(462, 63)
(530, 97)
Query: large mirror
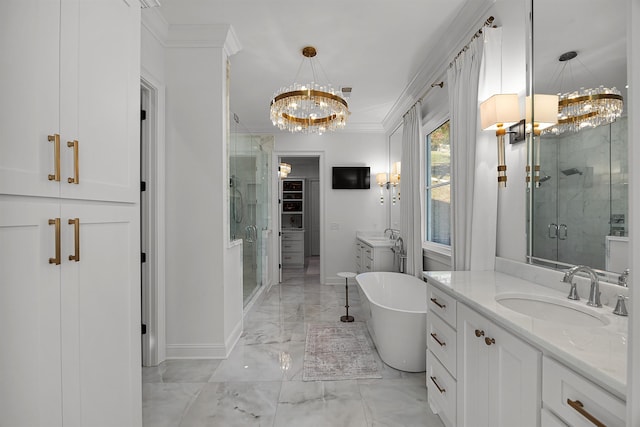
(579, 193)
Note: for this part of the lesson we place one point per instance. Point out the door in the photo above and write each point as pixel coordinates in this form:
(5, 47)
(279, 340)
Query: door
(99, 102)
(30, 358)
(29, 66)
(100, 300)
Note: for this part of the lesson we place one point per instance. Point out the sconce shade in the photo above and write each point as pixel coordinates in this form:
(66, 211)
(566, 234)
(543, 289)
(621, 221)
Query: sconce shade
(545, 110)
(499, 111)
(381, 179)
(394, 178)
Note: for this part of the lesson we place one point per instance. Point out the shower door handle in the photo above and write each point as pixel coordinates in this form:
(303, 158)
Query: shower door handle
(563, 232)
(552, 234)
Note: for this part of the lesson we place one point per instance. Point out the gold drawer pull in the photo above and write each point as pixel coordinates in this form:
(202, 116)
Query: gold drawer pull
(435, 337)
(440, 389)
(489, 341)
(579, 407)
(479, 333)
(435, 301)
(56, 260)
(76, 164)
(55, 138)
(76, 234)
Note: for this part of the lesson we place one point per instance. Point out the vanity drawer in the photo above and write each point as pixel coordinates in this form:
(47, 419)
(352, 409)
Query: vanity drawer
(561, 385)
(442, 304)
(442, 390)
(293, 236)
(292, 245)
(441, 340)
(547, 419)
(293, 258)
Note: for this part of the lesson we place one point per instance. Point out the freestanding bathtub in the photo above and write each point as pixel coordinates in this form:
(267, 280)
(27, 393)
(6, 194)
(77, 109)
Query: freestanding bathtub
(395, 308)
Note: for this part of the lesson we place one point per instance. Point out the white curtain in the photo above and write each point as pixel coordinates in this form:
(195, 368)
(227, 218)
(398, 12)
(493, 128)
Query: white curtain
(474, 158)
(411, 205)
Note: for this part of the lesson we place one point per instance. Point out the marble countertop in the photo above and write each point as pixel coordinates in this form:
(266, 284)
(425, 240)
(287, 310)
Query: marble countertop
(375, 240)
(598, 353)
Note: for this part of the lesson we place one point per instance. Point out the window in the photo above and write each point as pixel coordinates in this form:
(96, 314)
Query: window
(438, 186)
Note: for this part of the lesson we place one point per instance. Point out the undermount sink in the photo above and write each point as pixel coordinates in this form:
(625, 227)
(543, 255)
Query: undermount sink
(552, 309)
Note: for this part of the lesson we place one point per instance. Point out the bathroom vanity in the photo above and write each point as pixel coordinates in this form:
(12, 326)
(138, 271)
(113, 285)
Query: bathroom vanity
(373, 253)
(506, 351)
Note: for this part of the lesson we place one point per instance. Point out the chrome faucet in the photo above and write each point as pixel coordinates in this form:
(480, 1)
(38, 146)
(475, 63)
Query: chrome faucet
(623, 279)
(594, 292)
(400, 254)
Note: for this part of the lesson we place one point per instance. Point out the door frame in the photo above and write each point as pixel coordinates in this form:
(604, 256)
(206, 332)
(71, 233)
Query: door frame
(152, 228)
(320, 155)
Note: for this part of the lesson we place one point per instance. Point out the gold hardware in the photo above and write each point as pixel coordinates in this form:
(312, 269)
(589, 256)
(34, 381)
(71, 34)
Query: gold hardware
(435, 337)
(55, 138)
(76, 234)
(489, 341)
(479, 333)
(56, 260)
(440, 389)
(435, 301)
(76, 164)
(578, 406)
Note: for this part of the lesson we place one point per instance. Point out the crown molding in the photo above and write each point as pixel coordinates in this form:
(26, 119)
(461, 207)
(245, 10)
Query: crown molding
(155, 23)
(441, 52)
(203, 36)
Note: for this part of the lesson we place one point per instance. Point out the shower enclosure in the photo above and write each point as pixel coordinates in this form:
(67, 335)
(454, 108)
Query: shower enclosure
(249, 197)
(581, 197)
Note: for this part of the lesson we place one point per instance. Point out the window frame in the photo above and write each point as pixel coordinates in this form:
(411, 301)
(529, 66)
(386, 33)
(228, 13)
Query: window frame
(444, 251)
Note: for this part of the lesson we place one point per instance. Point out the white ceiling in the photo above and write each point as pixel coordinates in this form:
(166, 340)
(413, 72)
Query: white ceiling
(375, 46)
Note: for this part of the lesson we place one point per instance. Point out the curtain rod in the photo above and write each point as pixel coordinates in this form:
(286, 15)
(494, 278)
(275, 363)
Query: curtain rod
(477, 34)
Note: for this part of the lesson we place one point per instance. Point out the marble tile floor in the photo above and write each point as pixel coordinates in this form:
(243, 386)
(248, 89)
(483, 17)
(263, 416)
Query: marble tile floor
(260, 384)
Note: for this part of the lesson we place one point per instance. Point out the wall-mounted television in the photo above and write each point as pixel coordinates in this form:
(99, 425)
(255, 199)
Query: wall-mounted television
(350, 178)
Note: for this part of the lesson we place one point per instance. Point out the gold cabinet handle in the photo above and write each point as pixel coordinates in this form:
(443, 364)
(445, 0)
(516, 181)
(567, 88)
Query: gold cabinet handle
(440, 389)
(55, 138)
(435, 301)
(76, 163)
(76, 234)
(435, 337)
(479, 333)
(489, 341)
(579, 407)
(56, 260)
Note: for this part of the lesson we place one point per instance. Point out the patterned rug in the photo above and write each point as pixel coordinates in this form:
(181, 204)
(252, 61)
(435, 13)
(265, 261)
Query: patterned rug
(338, 351)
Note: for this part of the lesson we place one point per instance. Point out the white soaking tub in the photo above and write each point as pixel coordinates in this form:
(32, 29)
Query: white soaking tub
(395, 309)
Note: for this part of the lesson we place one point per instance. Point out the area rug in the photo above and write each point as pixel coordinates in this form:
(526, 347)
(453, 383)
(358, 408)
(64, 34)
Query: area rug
(338, 351)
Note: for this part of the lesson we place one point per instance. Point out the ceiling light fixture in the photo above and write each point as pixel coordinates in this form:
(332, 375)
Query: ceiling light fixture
(309, 108)
(585, 108)
(284, 169)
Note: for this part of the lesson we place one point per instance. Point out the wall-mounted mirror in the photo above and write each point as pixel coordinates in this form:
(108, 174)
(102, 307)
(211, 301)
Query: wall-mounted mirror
(394, 193)
(579, 194)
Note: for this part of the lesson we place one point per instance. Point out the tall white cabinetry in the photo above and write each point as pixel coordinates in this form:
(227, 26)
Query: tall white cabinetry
(69, 213)
(292, 223)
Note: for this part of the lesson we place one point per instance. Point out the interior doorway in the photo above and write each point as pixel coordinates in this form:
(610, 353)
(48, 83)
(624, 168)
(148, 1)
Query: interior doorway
(305, 168)
(152, 222)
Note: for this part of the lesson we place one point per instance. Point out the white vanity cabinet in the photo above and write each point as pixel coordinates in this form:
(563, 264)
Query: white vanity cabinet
(371, 257)
(498, 375)
(570, 399)
(441, 354)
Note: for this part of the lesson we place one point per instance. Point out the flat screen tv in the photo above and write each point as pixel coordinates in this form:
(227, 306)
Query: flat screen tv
(350, 178)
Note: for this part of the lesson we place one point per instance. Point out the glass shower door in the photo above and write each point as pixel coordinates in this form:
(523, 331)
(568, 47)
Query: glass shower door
(249, 197)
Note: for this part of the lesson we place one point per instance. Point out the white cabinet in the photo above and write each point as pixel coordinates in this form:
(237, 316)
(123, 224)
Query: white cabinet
(70, 71)
(498, 375)
(292, 248)
(70, 329)
(292, 223)
(577, 401)
(372, 258)
(442, 355)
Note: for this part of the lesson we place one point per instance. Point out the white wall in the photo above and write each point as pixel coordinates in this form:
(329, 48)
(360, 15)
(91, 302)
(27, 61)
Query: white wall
(343, 211)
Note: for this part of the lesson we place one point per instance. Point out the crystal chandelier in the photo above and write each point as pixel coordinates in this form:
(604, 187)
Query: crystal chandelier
(309, 108)
(586, 108)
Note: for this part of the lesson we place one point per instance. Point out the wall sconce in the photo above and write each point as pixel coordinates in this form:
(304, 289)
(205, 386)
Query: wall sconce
(284, 169)
(382, 181)
(394, 180)
(545, 114)
(497, 113)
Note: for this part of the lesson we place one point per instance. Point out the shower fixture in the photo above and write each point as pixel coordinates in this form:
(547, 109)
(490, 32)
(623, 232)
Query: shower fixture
(544, 178)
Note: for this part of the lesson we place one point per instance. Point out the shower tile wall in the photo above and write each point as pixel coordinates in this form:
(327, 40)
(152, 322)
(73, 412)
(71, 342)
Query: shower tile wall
(585, 196)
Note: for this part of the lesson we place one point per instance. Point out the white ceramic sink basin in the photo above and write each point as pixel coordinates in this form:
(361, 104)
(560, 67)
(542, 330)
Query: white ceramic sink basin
(553, 309)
